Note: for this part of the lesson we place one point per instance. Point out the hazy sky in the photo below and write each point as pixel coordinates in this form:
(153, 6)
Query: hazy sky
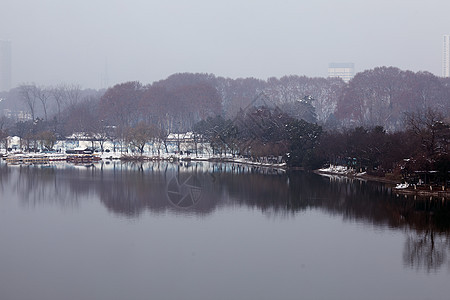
(56, 41)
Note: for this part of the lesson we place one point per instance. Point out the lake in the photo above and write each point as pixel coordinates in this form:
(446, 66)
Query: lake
(200, 230)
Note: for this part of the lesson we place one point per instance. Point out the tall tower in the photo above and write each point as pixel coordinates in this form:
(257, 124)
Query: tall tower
(446, 56)
(5, 66)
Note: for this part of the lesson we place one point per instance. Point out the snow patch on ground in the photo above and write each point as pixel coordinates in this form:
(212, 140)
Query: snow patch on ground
(339, 170)
(402, 186)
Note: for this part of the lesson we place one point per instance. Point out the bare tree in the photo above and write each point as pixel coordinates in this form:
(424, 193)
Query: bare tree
(43, 94)
(47, 140)
(3, 122)
(73, 94)
(428, 125)
(59, 95)
(139, 136)
(4, 139)
(29, 97)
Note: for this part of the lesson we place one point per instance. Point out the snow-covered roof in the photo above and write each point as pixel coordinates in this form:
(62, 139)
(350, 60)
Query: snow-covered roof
(14, 140)
(181, 136)
(77, 135)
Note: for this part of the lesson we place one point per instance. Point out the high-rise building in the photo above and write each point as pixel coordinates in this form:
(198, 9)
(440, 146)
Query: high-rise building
(446, 56)
(5, 66)
(346, 71)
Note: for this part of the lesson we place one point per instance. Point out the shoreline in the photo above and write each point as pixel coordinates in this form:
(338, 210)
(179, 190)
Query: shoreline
(339, 171)
(169, 157)
(363, 176)
(174, 158)
(426, 191)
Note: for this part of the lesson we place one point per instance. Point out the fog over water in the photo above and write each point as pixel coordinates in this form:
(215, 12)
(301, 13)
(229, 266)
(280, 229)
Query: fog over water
(103, 42)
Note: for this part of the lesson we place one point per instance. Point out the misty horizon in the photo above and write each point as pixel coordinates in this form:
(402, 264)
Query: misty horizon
(102, 43)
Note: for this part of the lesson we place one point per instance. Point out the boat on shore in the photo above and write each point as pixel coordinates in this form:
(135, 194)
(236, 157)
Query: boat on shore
(82, 155)
(34, 158)
(78, 155)
(26, 159)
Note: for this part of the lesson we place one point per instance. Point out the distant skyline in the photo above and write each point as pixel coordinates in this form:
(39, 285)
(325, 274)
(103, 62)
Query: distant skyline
(98, 41)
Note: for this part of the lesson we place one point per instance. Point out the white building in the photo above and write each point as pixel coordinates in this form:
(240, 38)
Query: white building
(18, 115)
(346, 71)
(5, 66)
(446, 56)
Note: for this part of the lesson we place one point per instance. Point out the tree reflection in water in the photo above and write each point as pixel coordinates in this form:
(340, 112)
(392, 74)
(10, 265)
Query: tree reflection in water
(5, 173)
(428, 237)
(426, 250)
(129, 189)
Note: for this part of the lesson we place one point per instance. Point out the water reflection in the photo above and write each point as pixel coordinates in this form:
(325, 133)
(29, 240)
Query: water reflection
(130, 189)
(427, 244)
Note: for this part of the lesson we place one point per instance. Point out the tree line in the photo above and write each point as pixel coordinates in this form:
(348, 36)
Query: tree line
(377, 97)
(265, 133)
(379, 118)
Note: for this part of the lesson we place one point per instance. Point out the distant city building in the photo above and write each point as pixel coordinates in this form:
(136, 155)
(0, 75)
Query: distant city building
(346, 71)
(5, 66)
(17, 115)
(446, 56)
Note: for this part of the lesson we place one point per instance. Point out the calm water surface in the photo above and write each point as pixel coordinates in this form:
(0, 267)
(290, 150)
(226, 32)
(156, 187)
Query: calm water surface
(214, 231)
